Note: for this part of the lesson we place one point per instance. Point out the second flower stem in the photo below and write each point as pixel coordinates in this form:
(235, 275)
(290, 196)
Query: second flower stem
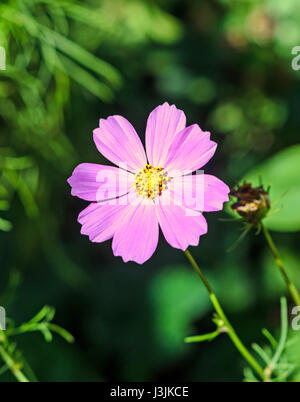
(229, 329)
(292, 288)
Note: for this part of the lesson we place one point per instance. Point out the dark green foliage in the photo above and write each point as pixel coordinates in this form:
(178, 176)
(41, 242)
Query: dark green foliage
(228, 66)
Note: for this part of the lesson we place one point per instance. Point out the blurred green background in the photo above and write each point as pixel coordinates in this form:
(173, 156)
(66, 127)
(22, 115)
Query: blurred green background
(227, 64)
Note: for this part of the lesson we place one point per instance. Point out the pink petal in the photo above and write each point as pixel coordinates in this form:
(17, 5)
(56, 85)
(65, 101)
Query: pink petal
(216, 192)
(201, 192)
(136, 238)
(118, 141)
(190, 150)
(100, 220)
(181, 227)
(162, 125)
(93, 182)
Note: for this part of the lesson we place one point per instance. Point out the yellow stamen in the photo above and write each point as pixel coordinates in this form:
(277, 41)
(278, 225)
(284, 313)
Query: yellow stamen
(151, 181)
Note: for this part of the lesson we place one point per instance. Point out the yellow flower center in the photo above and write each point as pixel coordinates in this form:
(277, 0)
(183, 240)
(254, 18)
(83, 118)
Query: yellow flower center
(151, 181)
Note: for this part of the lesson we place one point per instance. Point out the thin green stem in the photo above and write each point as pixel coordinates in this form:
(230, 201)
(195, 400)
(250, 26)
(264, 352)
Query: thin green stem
(9, 361)
(282, 340)
(231, 332)
(292, 288)
(201, 338)
(12, 365)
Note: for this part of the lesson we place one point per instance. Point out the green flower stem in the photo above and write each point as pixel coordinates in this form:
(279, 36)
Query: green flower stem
(292, 288)
(231, 332)
(201, 338)
(9, 361)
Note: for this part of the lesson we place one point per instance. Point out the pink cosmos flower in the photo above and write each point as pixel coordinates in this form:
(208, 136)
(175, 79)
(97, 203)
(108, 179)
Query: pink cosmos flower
(149, 189)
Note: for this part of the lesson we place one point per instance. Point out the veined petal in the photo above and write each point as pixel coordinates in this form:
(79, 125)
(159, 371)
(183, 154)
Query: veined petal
(216, 192)
(100, 220)
(93, 182)
(201, 192)
(164, 122)
(181, 227)
(190, 150)
(136, 238)
(117, 140)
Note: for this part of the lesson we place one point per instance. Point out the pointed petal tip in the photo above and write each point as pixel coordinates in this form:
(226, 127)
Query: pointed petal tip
(69, 181)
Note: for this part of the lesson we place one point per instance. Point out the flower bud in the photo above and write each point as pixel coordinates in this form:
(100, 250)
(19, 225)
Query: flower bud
(253, 203)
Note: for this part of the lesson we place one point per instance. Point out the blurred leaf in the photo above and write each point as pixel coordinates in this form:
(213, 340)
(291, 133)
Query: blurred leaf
(241, 295)
(166, 28)
(201, 90)
(227, 117)
(81, 55)
(85, 79)
(281, 173)
(4, 205)
(178, 298)
(15, 163)
(272, 281)
(5, 225)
